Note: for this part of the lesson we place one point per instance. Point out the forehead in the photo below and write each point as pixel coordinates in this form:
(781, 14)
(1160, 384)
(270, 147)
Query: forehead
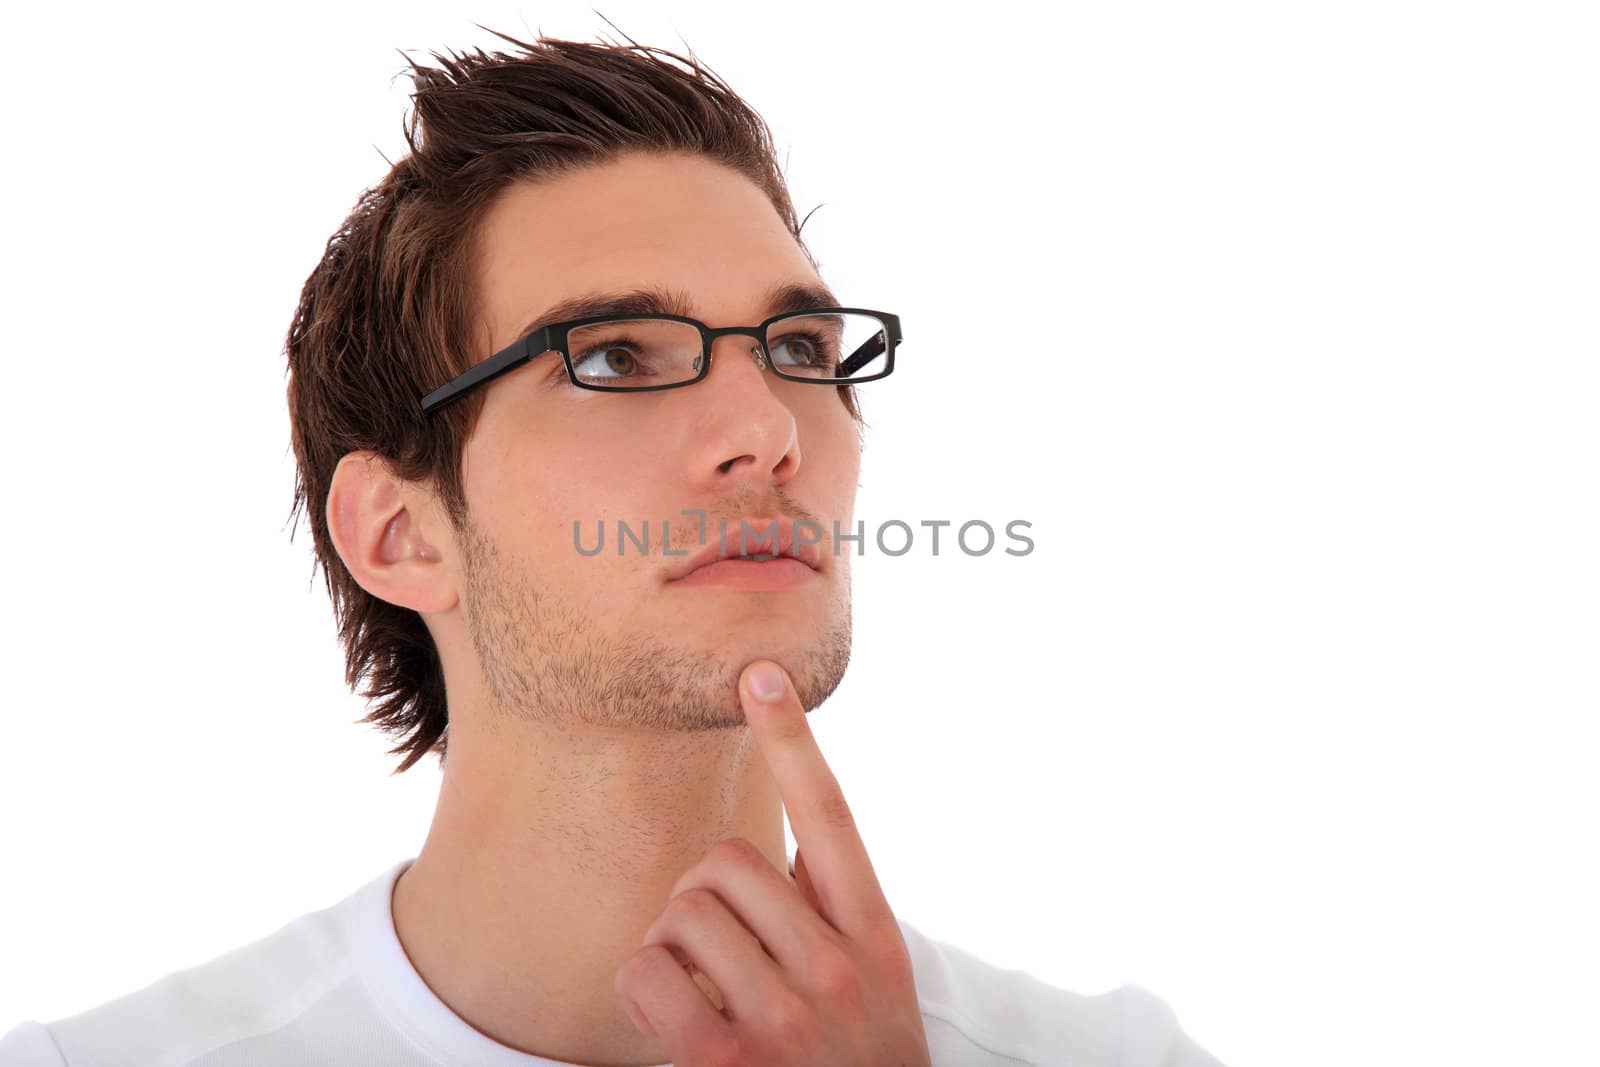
(680, 221)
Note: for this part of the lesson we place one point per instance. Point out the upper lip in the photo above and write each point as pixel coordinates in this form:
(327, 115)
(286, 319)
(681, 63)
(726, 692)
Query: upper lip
(757, 542)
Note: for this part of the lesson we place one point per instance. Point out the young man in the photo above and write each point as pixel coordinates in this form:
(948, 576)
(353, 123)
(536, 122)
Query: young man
(605, 880)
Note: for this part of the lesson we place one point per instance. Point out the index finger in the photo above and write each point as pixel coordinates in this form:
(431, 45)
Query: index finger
(824, 828)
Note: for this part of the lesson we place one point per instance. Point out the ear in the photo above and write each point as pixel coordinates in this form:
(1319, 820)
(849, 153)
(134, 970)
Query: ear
(381, 526)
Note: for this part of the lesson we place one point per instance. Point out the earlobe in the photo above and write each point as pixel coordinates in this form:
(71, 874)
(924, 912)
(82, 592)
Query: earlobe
(372, 522)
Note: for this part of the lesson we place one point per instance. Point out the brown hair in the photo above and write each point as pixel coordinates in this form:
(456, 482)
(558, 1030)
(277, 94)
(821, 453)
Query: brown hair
(388, 313)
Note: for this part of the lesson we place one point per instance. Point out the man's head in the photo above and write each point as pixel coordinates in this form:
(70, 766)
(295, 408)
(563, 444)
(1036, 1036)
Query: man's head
(562, 170)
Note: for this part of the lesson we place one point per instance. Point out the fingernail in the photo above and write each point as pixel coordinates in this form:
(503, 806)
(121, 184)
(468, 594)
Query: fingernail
(766, 683)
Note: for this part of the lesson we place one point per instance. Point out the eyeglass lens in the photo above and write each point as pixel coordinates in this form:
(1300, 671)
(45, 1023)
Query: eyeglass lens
(837, 347)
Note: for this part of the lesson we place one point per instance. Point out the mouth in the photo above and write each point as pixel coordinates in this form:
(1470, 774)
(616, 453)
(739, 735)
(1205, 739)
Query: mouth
(758, 553)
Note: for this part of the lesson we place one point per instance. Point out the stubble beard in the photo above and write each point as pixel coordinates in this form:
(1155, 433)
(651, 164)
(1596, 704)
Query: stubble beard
(544, 657)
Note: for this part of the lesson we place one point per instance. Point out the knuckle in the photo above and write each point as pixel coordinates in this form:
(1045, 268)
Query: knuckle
(892, 960)
(883, 941)
(831, 809)
(837, 978)
(736, 850)
(694, 903)
(788, 1020)
(716, 1048)
(712, 1041)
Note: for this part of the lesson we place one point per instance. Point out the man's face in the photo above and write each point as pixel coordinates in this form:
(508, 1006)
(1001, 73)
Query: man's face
(613, 638)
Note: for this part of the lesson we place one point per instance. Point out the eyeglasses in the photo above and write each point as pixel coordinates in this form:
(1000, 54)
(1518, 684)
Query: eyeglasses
(642, 353)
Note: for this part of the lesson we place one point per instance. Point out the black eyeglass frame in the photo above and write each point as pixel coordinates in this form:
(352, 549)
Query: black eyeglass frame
(553, 338)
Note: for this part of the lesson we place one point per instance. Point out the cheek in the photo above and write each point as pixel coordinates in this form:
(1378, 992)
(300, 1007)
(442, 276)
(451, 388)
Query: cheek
(574, 468)
(567, 525)
(832, 457)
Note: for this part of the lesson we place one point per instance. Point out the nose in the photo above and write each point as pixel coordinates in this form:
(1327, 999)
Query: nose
(743, 434)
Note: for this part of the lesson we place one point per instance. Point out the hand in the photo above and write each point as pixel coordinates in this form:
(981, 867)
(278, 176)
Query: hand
(811, 974)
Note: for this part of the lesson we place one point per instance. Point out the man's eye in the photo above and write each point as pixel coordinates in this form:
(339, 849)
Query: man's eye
(803, 350)
(606, 361)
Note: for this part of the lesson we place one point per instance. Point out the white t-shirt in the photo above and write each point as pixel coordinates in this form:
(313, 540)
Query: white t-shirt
(336, 987)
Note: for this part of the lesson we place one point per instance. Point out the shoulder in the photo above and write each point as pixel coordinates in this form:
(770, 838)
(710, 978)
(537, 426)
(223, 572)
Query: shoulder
(979, 1014)
(29, 1044)
(246, 992)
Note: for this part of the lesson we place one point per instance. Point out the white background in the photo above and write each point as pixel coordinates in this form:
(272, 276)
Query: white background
(1290, 717)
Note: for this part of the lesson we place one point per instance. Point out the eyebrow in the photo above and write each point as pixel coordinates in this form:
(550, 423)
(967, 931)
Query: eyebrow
(656, 300)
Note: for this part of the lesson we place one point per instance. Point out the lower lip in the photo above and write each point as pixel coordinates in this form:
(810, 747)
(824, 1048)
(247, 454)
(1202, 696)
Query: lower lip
(783, 573)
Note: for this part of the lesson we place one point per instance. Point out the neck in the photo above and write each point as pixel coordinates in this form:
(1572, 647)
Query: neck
(553, 848)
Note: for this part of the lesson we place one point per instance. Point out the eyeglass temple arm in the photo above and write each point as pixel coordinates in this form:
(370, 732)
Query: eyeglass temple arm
(536, 344)
(869, 351)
